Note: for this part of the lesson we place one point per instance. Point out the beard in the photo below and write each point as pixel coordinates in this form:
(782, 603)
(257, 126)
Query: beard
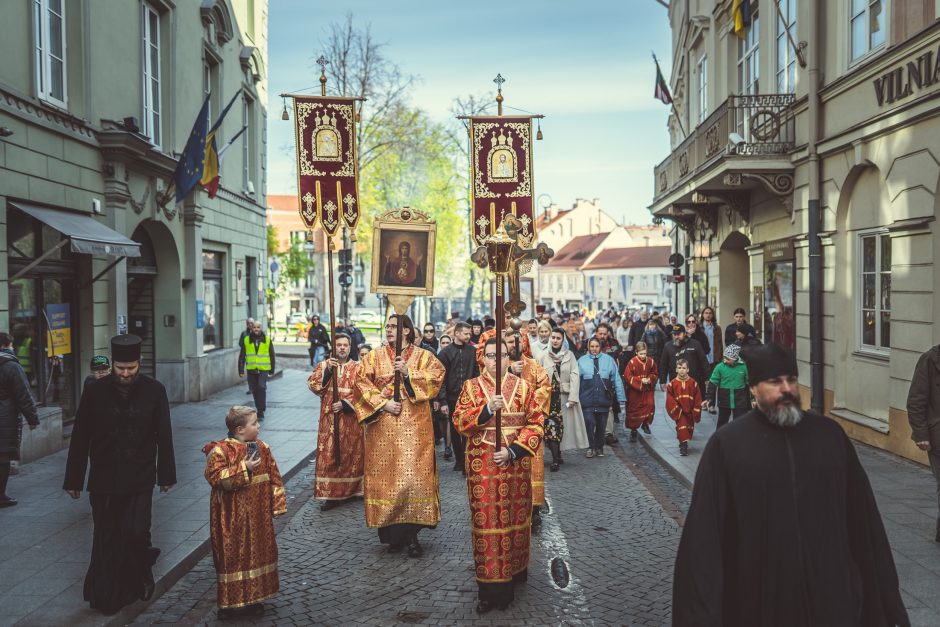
(785, 412)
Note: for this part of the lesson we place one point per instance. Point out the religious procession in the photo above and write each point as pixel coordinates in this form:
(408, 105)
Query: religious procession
(364, 370)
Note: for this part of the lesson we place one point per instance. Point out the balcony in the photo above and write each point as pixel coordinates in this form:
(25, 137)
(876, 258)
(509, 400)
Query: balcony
(743, 130)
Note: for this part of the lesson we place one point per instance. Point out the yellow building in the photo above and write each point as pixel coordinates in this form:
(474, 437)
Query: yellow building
(835, 147)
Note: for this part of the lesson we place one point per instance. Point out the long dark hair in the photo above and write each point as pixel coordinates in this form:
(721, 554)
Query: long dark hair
(701, 317)
(406, 323)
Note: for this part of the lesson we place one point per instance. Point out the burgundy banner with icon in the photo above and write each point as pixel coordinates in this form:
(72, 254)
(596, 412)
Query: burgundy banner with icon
(501, 175)
(327, 173)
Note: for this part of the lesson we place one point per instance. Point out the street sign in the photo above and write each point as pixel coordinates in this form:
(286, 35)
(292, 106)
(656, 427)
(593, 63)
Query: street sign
(676, 260)
(345, 279)
(679, 278)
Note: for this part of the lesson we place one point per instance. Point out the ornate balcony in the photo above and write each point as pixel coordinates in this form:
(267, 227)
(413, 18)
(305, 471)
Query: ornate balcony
(746, 135)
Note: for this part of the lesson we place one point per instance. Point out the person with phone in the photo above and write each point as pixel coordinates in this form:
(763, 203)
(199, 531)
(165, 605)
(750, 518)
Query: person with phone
(247, 493)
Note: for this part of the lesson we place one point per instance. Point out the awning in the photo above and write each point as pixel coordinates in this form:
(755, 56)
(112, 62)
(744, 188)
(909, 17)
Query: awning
(85, 234)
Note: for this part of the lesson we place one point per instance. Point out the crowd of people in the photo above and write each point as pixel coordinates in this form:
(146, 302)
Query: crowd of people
(776, 485)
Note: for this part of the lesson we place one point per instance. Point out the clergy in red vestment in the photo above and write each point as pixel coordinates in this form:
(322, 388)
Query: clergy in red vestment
(640, 374)
(684, 404)
(339, 463)
(499, 483)
(247, 492)
(534, 374)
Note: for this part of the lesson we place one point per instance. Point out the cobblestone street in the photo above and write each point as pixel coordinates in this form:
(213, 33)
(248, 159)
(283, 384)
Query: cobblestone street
(617, 539)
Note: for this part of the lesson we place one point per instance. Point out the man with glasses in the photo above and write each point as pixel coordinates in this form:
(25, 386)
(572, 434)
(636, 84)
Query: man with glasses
(500, 499)
(400, 477)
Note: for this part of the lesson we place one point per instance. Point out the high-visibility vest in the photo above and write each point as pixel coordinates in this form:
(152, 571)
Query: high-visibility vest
(259, 359)
(23, 356)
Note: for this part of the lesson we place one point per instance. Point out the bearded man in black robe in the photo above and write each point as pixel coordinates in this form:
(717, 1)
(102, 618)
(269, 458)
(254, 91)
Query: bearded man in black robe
(123, 426)
(783, 529)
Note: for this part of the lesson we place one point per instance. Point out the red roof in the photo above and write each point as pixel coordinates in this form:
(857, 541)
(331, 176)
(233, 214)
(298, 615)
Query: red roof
(634, 257)
(576, 252)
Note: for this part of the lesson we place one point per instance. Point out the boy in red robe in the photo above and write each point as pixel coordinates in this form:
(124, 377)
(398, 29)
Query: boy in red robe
(247, 493)
(641, 374)
(684, 404)
(499, 483)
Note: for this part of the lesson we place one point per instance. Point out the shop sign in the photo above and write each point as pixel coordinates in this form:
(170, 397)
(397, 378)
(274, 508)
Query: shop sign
(900, 82)
(778, 250)
(59, 337)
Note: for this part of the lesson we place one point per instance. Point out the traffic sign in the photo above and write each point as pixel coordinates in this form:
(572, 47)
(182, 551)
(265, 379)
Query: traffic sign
(676, 260)
(345, 279)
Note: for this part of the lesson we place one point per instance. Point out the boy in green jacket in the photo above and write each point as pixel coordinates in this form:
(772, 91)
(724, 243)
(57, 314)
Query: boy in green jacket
(728, 386)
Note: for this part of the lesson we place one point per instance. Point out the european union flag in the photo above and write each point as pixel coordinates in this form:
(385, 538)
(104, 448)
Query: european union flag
(190, 167)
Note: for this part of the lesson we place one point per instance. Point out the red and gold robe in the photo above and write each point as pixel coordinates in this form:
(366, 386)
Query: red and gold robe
(534, 374)
(400, 475)
(344, 480)
(241, 508)
(641, 402)
(684, 405)
(500, 497)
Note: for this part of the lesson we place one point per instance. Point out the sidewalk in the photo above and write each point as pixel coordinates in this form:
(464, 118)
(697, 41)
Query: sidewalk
(46, 540)
(905, 491)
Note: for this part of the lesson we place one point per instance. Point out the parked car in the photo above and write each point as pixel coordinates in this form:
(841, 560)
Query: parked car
(365, 315)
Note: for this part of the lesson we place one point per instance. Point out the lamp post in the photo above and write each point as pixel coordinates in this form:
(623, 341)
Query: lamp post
(499, 258)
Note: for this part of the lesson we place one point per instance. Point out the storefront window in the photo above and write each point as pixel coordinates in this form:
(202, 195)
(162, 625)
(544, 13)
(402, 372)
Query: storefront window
(779, 319)
(212, 264)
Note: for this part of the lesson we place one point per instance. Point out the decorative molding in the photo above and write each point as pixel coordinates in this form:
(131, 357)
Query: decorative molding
(34, 111)
(217, 12)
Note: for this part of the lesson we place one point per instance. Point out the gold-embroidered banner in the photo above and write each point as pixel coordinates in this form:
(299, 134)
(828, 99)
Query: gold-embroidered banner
(501, 175)
(327, 173)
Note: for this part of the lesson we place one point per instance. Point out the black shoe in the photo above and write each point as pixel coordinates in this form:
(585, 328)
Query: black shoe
(326, 506)
(610, 439)
(484, 606)
(634, 436)
(448, 452)
(554, 467)
(415, 549)
(646, 428)
(599, 452)
(683, 448)
(227, 613)
(248, 392)
(395, 548)
(536, 519)
(7, 501)
(255, 609)
(260, 415)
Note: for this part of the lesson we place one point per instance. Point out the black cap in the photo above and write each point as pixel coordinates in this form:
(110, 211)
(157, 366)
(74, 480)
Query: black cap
(767, 361)
(677, 329)
(125, 348)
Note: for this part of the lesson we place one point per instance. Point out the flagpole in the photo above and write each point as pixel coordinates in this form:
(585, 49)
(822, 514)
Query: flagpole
(672, 103)
(798, 50)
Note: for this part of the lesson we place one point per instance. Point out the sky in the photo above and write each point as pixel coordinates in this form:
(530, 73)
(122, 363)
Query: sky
(585, 66)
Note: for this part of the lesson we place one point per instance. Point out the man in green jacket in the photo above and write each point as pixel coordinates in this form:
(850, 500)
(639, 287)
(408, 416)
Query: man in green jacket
(727, 386)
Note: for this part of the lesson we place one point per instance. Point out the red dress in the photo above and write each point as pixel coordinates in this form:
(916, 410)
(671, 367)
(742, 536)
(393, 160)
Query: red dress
(342, 480)
(641, 403)
(684, 405)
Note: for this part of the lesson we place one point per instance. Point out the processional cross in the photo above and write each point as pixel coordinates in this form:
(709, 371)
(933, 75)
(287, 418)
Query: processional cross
(521, 259)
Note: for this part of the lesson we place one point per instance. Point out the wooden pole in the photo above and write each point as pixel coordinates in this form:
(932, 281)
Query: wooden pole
(335, 378)
(499, 356)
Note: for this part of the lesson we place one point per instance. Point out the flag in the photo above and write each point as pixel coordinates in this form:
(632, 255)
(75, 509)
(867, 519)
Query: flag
(210, 170)
(741, 13)
(661, 91)
(190, 167)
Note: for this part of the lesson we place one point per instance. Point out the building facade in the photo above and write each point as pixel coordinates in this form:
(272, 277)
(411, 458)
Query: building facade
(97, 101)
(846, 148)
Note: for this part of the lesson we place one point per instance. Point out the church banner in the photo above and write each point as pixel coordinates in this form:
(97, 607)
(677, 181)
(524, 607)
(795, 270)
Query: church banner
(501, 175)
(327, 172)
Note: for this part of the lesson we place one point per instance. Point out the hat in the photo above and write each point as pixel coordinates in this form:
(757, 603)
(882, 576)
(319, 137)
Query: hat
(99, 362)
(677, 329)
(732, 352)
(125, 348)
(767, 361)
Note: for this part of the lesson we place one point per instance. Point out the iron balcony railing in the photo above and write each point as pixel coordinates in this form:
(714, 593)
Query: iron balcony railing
(750, 125)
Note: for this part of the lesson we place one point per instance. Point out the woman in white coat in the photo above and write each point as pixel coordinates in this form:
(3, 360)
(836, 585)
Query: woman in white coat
(564, 424)
(540, 345)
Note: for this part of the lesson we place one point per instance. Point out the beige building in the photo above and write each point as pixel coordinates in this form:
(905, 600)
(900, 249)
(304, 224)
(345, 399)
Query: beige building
(97, 101)
(851, 138)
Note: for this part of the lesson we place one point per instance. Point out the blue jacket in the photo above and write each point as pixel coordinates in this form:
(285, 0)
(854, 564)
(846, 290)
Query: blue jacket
(592, 395)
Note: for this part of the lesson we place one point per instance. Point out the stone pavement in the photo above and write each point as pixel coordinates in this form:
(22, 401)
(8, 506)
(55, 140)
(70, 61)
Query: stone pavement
(616, 539)
(46, 540)
(905, 491)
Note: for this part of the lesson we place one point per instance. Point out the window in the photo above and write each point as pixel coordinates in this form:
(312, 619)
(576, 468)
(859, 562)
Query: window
(786, 57)
(749, 59)
(702, 88)
(248, 143)
(151, 78)
(49, 35)
(867, 26)
(875, 318)
(212, 265)
(212, 89)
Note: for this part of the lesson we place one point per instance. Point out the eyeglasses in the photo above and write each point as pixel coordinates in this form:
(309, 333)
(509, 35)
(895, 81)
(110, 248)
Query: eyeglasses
(429, 330)
(493, 355)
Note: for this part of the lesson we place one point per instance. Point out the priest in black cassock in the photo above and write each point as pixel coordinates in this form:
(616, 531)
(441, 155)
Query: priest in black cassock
(123, 427)
(783, 529)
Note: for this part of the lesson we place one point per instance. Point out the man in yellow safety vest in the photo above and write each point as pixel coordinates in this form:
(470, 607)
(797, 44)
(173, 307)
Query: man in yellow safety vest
(257, 357)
